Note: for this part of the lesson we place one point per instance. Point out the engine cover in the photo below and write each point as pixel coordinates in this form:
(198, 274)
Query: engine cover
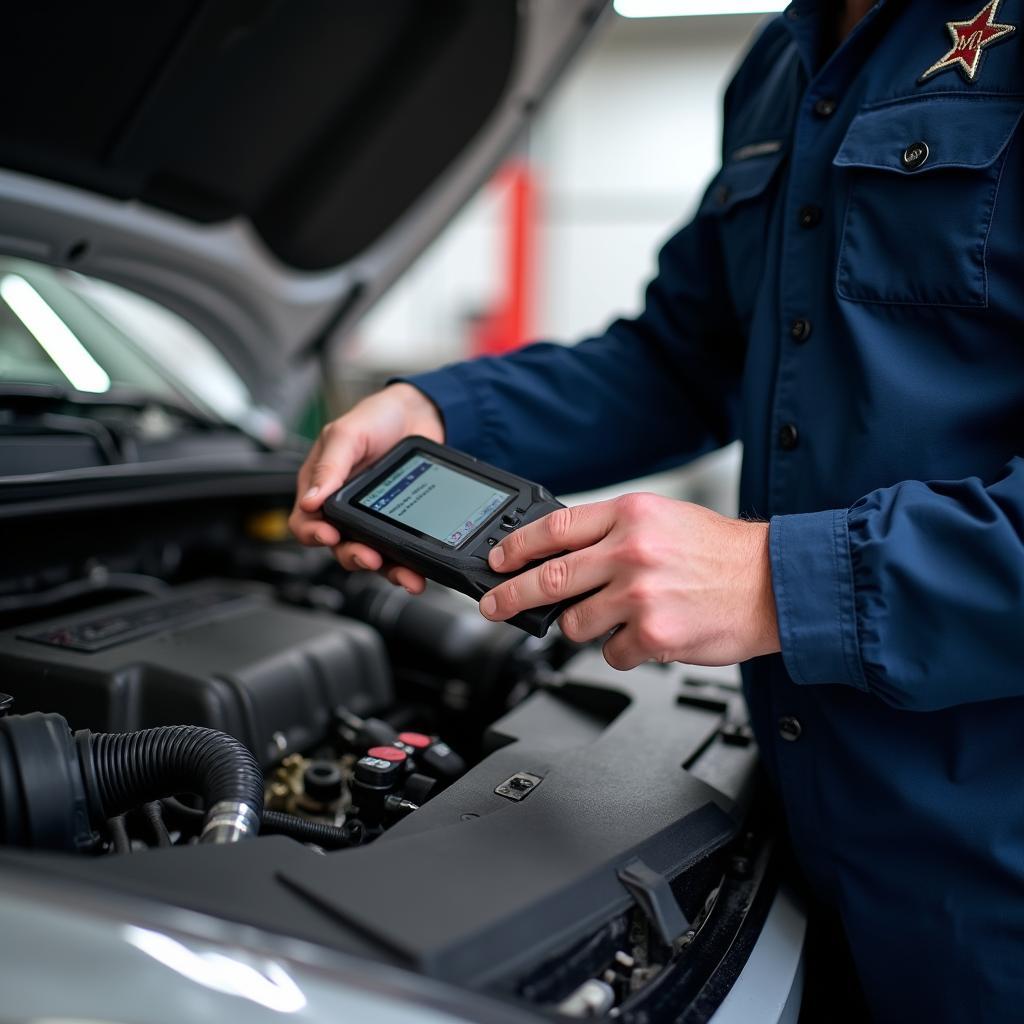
(223, 654)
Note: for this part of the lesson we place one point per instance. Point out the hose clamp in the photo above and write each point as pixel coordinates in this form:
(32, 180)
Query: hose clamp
(230, 821)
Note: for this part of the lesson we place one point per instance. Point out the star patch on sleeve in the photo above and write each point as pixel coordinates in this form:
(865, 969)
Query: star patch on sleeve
(970, 38)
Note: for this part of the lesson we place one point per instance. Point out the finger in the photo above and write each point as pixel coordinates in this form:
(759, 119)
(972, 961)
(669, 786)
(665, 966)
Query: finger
(304, 476)
(403, 576)
(557, 579)
(565, 529)
(313, 531)
(355, 557)
(622, 651)
(591, 618)
(302, 484)
(340, 448)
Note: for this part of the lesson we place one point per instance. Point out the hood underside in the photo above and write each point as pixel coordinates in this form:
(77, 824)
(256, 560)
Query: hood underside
(264, 168)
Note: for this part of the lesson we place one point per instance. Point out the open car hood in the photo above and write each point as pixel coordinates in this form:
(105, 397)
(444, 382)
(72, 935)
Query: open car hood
(265, 169)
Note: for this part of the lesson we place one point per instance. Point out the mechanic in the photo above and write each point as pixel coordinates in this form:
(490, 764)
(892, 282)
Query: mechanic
(848, 302)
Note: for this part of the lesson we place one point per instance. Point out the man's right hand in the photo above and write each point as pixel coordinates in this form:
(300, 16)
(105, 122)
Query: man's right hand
(345, 447)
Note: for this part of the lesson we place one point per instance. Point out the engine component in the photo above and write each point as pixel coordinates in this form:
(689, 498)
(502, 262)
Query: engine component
(420, 788)
(436, 757)
(623, 763)
(440, 634)
(322, 783)
(224, 655)
(362, 733)
(330, 837)
(429, 754)
(43, 802)
(284, 785)
(57, 788)
(592, 999)
(277, 823)
(399, 806)
(377, 775)
(124, 769)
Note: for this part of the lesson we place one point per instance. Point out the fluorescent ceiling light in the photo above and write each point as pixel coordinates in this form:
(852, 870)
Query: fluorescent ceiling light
(54, 336)
(681, 8)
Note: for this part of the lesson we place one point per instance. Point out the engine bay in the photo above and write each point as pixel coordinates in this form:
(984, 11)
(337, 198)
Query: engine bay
(439, 792)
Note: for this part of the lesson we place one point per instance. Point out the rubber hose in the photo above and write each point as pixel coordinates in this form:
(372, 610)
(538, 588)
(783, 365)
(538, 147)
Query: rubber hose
(278, 823)
(330, 837)
(182, 812)
(119, 834)
(128, 769)
(153, 813)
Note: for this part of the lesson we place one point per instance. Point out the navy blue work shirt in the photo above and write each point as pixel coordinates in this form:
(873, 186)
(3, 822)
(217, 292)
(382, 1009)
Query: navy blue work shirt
(849, 301)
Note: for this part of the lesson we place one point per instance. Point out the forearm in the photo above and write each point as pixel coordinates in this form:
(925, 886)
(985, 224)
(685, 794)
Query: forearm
(650, 392)
(573, 418)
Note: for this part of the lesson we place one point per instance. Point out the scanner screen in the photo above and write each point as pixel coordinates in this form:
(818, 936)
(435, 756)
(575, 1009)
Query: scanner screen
(434, 498)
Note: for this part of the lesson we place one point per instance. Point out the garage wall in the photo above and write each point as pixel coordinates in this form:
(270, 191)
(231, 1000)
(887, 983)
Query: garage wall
(625, 153)
(621, 155)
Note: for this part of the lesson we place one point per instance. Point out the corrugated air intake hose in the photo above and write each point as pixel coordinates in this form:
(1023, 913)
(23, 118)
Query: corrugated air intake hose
(56, 789)
(131, 768)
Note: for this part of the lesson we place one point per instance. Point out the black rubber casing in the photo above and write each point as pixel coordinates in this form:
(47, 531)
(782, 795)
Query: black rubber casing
(463, 568)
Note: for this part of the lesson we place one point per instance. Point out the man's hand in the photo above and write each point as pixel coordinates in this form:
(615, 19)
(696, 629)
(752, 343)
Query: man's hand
(344, 447)
(676, 582)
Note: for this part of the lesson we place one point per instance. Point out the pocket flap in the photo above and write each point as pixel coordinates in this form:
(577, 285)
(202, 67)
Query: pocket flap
(744, 177)
(959, 131)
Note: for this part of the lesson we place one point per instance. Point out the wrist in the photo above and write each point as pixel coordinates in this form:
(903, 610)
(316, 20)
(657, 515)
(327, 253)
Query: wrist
(764, 616)
(422, 416)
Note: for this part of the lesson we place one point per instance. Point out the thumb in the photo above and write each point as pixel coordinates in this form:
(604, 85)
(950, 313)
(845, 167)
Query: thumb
(331, 467)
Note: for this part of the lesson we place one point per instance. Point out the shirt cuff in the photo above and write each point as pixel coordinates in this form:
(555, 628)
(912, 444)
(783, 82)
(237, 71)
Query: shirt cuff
(812, 577)
(454, 400)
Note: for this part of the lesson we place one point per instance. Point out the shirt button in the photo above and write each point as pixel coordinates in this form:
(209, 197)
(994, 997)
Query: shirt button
(723, 194)
(914, 155)
(825, 107)
(790, 728)
(809, 216)
(789, 437)
(800, 330)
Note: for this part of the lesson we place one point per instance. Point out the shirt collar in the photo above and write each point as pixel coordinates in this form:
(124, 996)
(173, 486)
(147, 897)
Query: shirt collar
(804, 19)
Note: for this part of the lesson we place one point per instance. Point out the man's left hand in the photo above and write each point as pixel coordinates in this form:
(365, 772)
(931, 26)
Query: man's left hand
(675, 581)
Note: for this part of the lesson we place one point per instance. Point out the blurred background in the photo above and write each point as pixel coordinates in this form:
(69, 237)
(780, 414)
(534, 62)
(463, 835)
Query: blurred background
(565, 237)
(560, 242)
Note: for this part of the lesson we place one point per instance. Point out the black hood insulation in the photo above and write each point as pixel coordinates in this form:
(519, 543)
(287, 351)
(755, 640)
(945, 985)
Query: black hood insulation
(321, 122)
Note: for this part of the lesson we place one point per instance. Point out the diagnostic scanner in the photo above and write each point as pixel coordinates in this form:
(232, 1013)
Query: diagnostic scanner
(439, 511)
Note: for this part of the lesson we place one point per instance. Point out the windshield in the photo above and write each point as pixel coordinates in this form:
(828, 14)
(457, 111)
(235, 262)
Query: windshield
(61, 328)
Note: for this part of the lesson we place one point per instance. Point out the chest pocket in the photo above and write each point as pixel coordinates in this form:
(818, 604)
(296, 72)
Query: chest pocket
(739, 202)
(922, 182)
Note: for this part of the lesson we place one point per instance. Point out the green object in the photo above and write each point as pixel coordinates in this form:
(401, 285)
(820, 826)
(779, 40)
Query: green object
(313, 417)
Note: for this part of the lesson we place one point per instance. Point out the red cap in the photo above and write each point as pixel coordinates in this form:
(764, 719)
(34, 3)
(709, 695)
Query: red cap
(387, 754)
(414, 739)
